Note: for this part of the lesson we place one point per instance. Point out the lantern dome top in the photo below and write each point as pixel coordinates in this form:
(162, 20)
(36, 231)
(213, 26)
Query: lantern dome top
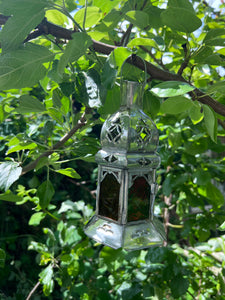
(130, 129)
(129, 137)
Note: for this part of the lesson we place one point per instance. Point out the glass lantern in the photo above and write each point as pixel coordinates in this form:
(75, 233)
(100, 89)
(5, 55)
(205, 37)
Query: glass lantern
(126, 188)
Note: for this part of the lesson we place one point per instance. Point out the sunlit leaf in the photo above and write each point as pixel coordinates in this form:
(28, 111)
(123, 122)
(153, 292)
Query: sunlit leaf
(10, 171)
(56, 17)
(222, 227)
(22, 146)
(69, 172)
(196, 114)
(142, 42)
(138, 18)
(171, 89)
(93, 15)
(36, 218)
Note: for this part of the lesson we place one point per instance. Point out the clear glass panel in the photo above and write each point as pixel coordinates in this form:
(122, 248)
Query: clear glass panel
(139, 200)
(109, 197)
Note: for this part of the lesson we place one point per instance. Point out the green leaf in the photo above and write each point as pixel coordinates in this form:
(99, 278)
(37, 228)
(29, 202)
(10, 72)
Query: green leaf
(74, 49)
(180, 19)
(210, 122)
(106, 6)
(154, 13)
(56, 17)
(179, 286)
(10, 171)
(171, 89)
(181, 3)
(22, 146)
(142, 42)
(176, 105)
(214, 195)
(113, 65)
(56, 115)
(56, 98)
(214, 60)
(138, 18)
(36, 218)
(112, 102)
(212, 37)
(67, 205)
(222, 227)
(14, 7)
(202, 54)
(2, 258)
(195, 114)
(71, 235)
(9, 196)
(45, 193)
(151, 104)
(46, 279)
(218, 87)
(20, 24)
(93, 15)
(27, 62)
(118, 56)
(69, 172)
(29, 104)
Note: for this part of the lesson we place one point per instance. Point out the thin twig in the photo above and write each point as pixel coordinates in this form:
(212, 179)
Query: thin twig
(33, 290)
(159, 62)
(58, 145)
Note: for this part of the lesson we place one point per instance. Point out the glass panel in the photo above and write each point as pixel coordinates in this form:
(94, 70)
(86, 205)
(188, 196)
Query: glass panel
(138, 200)
(109, 197)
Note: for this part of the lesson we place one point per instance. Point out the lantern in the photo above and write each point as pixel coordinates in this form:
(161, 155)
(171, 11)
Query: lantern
(126, 188)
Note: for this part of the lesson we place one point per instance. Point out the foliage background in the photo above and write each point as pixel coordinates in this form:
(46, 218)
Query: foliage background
(59, 69)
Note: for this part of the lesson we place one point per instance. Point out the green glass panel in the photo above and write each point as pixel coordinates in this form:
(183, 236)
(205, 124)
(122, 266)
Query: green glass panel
(109, 197)
(139, 200)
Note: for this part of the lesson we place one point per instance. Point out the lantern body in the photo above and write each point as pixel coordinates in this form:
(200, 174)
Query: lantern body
(126, 188)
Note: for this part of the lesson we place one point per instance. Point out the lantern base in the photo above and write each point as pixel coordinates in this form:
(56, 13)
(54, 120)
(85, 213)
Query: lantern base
(131, 236)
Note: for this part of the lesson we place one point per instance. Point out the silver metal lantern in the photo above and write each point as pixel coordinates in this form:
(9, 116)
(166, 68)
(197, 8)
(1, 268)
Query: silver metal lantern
(126, 189)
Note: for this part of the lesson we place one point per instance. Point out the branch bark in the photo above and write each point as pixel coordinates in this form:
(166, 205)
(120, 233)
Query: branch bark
(155, 72)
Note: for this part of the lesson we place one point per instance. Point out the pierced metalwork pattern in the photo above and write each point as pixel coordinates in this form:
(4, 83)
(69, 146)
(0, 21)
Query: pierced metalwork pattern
(106, 229)
(110, 158)
(114, 131)
(106, 172)
(144, 161)
(144, 133)
(139, 233)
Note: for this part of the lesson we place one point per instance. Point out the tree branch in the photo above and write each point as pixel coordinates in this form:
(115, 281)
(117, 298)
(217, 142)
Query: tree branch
(57, 145)
(33, 290)
(155, 72)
